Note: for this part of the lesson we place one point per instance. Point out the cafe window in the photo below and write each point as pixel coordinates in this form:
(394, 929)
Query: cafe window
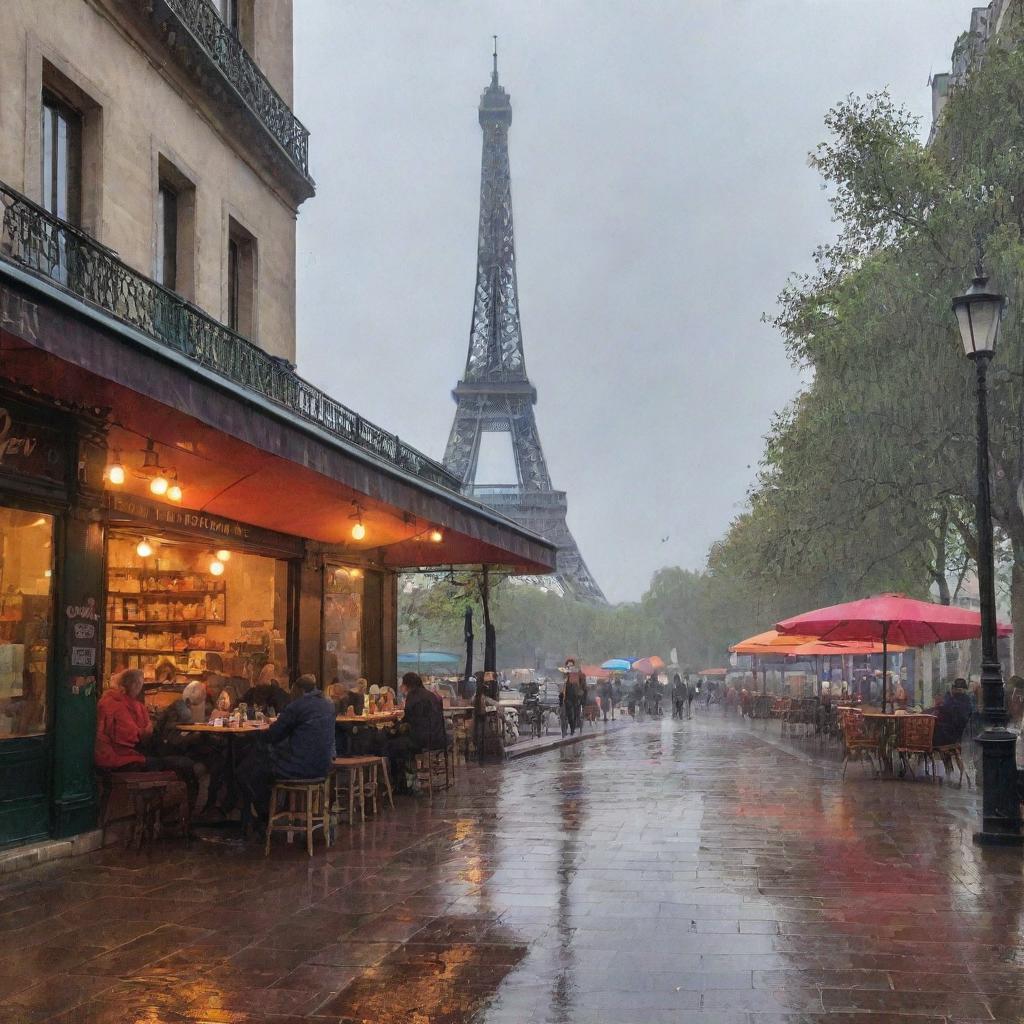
(343, 624)
(177, 609)
(26, 605)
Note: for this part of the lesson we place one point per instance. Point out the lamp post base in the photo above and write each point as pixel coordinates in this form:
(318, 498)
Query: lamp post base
(1000, 802)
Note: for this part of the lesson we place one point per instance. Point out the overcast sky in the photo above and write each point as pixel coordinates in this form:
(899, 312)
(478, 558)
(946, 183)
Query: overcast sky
(661, 195)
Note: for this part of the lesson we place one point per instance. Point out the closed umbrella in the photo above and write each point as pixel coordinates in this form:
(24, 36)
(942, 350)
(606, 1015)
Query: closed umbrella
(889, 618)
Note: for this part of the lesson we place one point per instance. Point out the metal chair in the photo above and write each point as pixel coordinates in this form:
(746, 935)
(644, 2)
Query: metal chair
(856, 740)
(914, 737)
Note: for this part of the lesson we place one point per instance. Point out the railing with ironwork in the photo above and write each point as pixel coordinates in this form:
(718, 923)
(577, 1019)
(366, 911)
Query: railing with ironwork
(69, 258)
(512, 496)
(207, 27)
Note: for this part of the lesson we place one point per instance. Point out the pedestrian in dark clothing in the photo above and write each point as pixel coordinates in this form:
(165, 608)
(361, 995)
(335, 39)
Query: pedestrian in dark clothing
(679, 694)
(952, 715)
(299, 745)
(605, 693)
(574, 692)
(691, 692)
(422, 726)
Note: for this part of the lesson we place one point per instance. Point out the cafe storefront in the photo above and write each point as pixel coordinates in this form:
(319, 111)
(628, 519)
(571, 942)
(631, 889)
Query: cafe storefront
(188, 508)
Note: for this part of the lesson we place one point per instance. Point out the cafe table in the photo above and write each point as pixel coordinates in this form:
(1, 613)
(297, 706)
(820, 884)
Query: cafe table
(230, 733)
(351, 724)
(882, 725)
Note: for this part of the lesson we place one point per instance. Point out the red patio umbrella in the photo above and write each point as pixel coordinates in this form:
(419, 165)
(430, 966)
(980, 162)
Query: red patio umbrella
(889, 617)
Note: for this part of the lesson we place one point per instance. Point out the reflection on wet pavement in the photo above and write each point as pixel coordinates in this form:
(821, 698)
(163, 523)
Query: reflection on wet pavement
(697, 871)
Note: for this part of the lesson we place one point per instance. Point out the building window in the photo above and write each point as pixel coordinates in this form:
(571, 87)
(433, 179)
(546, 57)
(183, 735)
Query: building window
(241, 281)
(26, 603)
(228, 11)
(61, 149)
(167, 236)
(174, 229)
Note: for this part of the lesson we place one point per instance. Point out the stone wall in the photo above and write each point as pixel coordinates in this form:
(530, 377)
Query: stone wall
(139, 110)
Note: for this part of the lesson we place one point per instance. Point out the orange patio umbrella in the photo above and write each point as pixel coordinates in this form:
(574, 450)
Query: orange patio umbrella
(770, 642)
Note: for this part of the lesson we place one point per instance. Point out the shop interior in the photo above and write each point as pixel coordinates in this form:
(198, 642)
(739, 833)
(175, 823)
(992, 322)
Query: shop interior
(178, 608)
(26, 606)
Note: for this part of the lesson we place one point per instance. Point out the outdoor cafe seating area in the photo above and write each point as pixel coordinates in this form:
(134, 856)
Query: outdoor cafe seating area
(893, 738)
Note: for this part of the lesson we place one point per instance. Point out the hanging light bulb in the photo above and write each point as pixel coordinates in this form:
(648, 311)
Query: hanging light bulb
(216, 567)
(356, 573)
(144, 549)
(158, 485)
(174, 492)
(358, 531)
(115, 471)
(436, 535)
(223, 555)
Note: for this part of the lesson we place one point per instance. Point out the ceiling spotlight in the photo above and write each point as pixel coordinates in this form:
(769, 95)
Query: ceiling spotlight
(436, 535)
(358, 531)
(159, 485)
(144, 549)
(216, 567)
(223, 555)
(174, 492)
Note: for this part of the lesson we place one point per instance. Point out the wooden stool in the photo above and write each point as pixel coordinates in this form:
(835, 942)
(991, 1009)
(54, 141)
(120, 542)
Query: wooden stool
(385, 774)
(306, 809)
(356, 778)
(430, 766)
(144, 797)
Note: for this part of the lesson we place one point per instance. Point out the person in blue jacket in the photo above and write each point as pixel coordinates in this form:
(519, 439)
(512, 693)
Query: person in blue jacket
(299, 745)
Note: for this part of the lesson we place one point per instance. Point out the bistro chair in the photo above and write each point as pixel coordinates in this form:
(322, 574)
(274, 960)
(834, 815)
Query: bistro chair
(304, 808)
(914, 737)
(857, 741)
(951, 754)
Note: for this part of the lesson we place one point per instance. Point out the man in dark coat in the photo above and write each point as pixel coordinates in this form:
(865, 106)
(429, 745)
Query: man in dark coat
(952, 715)
(299, 745)
(422, 727)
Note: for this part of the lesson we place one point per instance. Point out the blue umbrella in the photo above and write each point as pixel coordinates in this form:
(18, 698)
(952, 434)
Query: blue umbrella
(616, 665)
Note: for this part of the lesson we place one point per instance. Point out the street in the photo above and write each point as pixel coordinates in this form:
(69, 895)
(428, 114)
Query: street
(701, 871)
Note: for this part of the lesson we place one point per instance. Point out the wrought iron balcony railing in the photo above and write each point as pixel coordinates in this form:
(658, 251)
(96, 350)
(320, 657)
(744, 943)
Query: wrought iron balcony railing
(53, 249)
(223, 47)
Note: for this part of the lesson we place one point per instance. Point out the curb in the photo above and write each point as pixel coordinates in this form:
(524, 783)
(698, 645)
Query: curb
(514, 753)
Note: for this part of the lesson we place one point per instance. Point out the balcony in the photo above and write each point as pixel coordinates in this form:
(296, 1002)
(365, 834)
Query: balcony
(213, 55)
(54, 250)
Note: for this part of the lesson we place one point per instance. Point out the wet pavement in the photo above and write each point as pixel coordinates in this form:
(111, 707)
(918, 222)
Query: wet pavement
(704, 871)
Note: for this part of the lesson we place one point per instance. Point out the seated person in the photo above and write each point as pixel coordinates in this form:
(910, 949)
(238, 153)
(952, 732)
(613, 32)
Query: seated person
(299, 745)
(264, 696)
(952, 715)
(353, 697)
(123, 729)
(422, 725)
(190, 709)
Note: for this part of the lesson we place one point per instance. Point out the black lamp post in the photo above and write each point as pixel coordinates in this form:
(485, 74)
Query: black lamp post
(978, 313)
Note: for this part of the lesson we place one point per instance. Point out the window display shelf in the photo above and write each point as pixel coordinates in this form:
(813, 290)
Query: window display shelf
(135, 623)
(164, 594)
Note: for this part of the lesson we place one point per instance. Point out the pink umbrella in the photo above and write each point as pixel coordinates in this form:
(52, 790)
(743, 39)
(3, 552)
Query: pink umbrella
(889, 618)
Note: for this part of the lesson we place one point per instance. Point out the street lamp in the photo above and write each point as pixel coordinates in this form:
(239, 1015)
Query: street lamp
(978, 313)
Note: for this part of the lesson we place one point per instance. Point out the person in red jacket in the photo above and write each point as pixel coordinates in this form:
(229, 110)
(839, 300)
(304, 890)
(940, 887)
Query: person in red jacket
(122, 729)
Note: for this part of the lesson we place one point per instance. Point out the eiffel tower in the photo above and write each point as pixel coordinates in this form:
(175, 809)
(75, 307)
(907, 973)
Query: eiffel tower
(495, 394)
